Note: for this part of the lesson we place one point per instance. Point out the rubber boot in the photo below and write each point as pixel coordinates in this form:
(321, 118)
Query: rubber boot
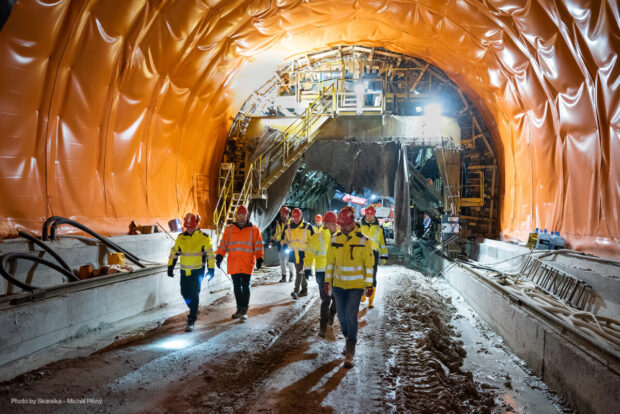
(189, 327)
(237, 314)
(349, 354)
(372, 298)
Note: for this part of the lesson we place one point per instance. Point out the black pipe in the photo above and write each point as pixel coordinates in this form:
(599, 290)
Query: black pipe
(46, 248)
(8, 256)
(56, 220)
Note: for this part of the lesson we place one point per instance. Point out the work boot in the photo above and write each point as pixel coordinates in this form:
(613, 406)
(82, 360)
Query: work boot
(303, 292)
(349, 354)
(282, 279)
(330, 321)
(237, 314)
(189, 327)
(244, 314)
(294, 295)
(322, 331)
(290, 278)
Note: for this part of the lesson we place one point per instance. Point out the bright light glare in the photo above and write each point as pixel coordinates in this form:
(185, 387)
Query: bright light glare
(372, 197)
(434, 110)
(287, 251)
(174, 344)
(418, 109)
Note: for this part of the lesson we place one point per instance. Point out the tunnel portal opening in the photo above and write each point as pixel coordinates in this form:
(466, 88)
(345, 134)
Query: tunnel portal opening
(364, 117)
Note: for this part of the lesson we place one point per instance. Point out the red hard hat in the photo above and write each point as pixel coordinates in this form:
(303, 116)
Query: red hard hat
(296, 213)
(284, 210)
(329, 217)
(318, 217)
(242, 210)
(191, 220)
(370, 210)
(346, 216)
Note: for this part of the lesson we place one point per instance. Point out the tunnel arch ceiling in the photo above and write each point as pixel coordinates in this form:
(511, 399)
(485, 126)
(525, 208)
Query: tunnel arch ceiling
(116, 111)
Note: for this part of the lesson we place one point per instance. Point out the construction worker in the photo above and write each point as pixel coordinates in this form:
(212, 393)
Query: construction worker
(316, 255)
(195, 249)
(243, 243)
(372, 229)
(318, 222)
(348, 273)
(295, 238)
(286, 267)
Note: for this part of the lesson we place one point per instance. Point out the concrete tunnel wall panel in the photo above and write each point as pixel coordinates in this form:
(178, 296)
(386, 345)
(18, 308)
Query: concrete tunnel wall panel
(117, 111)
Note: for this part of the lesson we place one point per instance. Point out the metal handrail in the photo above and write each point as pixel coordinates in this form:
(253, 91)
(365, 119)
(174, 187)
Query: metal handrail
(226, 192)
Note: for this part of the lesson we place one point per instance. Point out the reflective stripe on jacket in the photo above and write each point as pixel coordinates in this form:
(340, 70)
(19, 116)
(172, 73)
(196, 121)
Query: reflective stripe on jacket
(316, 251)
(375, 232)
(194, 250)
(244, 245)
(296, 236)
(350, 261)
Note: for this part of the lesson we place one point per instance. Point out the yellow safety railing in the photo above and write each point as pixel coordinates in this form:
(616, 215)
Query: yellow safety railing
(225, 198)
(474, 201)
(296, 138)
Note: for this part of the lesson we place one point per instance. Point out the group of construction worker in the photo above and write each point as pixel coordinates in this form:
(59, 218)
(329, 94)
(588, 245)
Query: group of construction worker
(343, 253)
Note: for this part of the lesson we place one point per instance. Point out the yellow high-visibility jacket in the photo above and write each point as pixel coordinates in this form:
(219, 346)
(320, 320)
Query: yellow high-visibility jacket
(375, 232)
(280, 225)
(296, 237)
(194, 249)
(350, 261)
(316, 251)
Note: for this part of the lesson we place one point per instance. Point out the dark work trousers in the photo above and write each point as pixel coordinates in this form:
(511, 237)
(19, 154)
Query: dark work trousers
(328, 304)
(300, 278)
(190, 290)
(374, 268)
(241, 285)
(347, 307)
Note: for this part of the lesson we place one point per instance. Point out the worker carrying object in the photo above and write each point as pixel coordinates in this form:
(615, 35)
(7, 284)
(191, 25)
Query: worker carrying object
(348, 272)
(243, 243)
(288, 269)
(295, 238)
(372, 229)
(316, 255)
(195, 250)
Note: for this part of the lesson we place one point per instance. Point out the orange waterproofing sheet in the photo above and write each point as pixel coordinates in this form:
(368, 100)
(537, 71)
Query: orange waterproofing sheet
(118, 110)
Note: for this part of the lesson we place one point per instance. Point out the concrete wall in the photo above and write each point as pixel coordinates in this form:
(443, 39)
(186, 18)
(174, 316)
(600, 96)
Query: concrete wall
(77, 308)
(588, 379)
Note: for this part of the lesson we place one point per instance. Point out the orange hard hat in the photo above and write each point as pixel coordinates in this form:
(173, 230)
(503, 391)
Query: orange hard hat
(285, 210)
(318, 217)
(296, 213)
(329, 217)
(191, 220)
(346, 216)
(242, 210)
(370, 210)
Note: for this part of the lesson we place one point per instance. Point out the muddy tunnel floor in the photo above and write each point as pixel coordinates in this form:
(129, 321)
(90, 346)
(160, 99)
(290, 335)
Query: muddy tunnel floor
(421, 349)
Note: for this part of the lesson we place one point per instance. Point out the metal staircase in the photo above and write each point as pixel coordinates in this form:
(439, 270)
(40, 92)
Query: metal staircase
(272, 162)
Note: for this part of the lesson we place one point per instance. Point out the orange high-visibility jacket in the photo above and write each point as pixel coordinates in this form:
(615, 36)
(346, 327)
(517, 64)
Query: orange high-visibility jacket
(244, 245)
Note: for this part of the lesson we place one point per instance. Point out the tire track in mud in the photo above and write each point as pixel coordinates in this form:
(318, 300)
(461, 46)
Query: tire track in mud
(423, 373)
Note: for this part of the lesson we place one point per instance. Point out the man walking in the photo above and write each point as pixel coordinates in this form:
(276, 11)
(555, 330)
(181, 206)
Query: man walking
(372, 229)
(316, 254)
(349, 271)
(295, 236)
(243, 243)
(194, 248)
(286, 267)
